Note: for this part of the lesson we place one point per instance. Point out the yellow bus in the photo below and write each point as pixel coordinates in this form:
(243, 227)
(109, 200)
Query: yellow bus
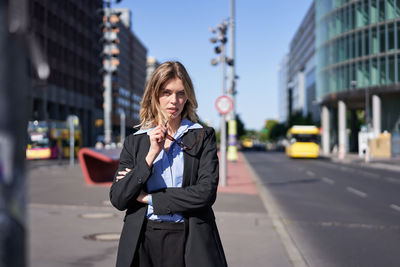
(303, 141)
(247, 143)
(50, 139)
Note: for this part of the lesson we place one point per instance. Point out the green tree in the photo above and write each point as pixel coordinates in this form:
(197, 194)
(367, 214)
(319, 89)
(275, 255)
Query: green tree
(297, 118)
(265, 133)
(278, 131)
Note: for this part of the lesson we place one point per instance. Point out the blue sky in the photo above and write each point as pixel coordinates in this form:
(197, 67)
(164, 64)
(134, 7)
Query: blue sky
(178, 30)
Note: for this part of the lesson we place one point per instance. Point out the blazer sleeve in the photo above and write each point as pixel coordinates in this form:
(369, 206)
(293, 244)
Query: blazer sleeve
(193, 197)
(123, 193)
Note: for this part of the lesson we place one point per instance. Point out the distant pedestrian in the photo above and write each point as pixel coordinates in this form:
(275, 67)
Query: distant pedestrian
(167, 180)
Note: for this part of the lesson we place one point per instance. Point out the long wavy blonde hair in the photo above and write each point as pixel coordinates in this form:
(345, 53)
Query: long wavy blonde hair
(150, 111)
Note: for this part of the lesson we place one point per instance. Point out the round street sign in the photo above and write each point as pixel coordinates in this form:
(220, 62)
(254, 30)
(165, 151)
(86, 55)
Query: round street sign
(224, 104)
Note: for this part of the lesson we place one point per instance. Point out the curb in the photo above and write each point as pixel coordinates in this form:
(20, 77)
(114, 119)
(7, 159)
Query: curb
(296, 258)
(371, 164)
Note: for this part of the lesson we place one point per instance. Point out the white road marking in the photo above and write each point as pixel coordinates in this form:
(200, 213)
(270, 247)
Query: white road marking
(327, 180)
(392, 180)
(356, 192)
(369, 174)
(310, 173)
(395, 207)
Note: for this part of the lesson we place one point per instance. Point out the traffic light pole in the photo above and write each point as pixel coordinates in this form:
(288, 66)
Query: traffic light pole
(221, 38)
(232, 124)
(107, 106)
(223, 123)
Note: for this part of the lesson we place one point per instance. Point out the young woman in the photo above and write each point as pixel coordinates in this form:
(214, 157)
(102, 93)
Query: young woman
(167, 180)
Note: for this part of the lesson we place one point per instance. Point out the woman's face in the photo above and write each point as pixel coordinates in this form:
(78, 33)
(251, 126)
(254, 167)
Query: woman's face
(172, 98)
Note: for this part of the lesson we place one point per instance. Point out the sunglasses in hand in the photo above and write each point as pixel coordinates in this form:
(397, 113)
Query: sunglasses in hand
(182, 145)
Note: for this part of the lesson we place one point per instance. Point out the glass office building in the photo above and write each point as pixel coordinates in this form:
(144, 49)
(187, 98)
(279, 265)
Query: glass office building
(358, 49)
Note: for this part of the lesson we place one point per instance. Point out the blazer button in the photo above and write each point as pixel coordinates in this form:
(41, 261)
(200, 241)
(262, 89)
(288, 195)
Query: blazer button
(168, 210)
(140, 181)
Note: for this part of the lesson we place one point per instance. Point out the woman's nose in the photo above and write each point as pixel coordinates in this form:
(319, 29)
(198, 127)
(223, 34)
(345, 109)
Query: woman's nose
(174, 98)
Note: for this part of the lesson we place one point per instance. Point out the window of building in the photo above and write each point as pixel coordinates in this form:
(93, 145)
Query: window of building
(398, 35)
(374, 72)
(373, 18)
(381, 7)
(352, 73)
(359, 15)
(341, 44)
(366, 42)
(391, 70)
(398, 67)
(382, 71)
(397, 8)
(382, 39)
(352, 21)
(345, 19)
(391, 37)
(339, 20)
(366, 74)
(346, 81)
(390, 12)
(360, 75)
(374, 41)
(346, 47)
(359, 44)
(352, 46)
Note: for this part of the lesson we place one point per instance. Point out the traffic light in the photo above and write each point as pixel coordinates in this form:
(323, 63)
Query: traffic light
(110, 40)
(220, 38)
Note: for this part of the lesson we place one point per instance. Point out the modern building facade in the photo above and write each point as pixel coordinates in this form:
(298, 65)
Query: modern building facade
(301, 69)
(128, 81)
(68, 31)
(151, 65)
(283, 103)
(358, 69)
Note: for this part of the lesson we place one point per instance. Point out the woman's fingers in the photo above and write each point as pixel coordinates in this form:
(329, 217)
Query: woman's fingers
(121, 174)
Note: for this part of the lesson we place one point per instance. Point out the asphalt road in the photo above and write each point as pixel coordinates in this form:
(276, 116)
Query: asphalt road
(337, 215)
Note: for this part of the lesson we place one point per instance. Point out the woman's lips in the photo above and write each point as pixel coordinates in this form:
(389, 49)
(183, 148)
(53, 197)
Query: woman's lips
(173, 110)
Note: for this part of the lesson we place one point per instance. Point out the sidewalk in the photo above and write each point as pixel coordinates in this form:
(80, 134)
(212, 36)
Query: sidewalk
(65, 214)
(392, 164)
(247, 231)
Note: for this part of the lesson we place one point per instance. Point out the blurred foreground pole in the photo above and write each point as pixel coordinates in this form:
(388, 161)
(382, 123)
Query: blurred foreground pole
(14, 85)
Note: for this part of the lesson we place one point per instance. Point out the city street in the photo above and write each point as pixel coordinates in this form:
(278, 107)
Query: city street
(336, 214)
(73, 224)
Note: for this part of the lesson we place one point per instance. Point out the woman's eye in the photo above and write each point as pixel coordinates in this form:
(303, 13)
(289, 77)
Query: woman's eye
(165, 93)
(181, 94)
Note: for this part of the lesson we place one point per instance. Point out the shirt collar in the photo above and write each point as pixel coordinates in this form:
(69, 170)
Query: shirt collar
(186, 125)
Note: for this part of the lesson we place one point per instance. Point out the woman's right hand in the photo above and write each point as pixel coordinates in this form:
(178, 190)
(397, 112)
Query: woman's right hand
(157, 140)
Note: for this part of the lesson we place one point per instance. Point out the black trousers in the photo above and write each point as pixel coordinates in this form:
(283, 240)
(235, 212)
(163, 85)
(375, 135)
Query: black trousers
(162, 244)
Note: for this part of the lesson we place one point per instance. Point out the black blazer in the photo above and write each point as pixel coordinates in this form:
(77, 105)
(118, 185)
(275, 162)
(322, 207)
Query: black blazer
(193, 200)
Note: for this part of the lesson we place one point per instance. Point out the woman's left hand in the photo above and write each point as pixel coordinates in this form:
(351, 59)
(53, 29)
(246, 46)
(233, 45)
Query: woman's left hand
(143, 197)
(121, 174)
